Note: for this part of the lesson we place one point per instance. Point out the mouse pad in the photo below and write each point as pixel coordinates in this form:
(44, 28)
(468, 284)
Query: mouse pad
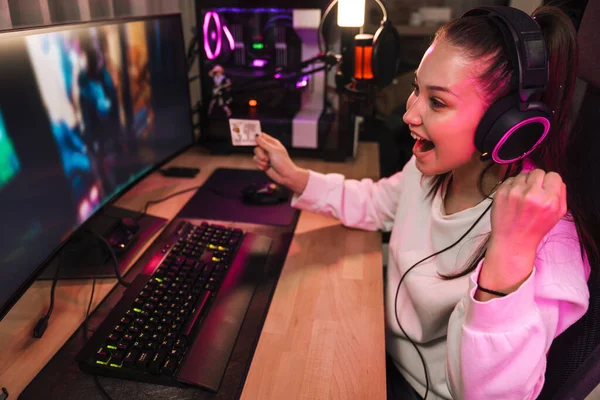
(220, 198)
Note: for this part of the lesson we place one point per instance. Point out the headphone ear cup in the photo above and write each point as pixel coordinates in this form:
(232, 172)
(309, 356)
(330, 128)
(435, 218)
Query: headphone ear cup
(493, 113)
(507, 134)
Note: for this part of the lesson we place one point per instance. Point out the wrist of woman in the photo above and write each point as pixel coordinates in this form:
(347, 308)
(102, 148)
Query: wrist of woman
(505, 269)
(297, 180)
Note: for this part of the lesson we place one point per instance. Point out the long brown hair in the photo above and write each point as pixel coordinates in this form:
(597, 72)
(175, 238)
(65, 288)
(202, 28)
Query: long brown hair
(480, 39)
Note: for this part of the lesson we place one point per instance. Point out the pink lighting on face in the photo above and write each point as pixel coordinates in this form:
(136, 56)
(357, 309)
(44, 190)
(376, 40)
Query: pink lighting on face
(229, 37)
(541, 120)
(209, 53)
(259, 63)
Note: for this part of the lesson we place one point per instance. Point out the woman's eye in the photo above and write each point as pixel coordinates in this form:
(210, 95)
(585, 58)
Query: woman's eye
(436, 104)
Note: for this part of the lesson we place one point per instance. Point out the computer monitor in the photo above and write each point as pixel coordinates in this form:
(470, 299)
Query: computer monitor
(86, 110)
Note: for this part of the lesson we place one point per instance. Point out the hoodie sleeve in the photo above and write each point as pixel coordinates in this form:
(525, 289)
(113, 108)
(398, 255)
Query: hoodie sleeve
(363, 204)
(497, 349)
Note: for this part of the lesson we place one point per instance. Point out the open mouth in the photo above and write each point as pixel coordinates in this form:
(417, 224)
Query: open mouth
(422, 145)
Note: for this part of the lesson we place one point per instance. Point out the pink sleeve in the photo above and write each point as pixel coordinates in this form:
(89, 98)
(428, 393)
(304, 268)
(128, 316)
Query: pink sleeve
(497, 349)
(360, 204)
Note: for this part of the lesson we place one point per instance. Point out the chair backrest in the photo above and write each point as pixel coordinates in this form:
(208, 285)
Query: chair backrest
(573, 368)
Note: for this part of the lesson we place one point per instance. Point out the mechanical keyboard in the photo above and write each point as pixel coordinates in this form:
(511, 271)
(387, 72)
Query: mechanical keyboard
(178, 321)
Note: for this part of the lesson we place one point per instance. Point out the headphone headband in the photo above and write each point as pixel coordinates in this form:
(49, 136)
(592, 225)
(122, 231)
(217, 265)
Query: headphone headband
(514, 125)
(526, 42)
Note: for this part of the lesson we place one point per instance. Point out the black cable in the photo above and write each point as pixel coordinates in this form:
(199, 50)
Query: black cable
(115, 261)
(85, 333)
(151, 202)
(229, 196)
(425, 259)
(101, 388)
(89, 307)
(42, 324)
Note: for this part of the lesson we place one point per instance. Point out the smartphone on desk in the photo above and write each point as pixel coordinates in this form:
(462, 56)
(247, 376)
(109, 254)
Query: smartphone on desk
(180, 172)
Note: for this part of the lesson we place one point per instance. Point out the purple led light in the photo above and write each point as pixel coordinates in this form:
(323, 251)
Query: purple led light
(259, 63)
(254, 10)
(213, 35)
(229, 37)
(209, 53)
(277, 75)
(302, 83)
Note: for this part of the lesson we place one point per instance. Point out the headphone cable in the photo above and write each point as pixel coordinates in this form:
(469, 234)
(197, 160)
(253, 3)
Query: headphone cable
(425, 259)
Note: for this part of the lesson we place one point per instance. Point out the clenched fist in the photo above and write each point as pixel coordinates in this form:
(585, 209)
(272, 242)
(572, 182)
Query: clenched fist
(527, 207)
(272, 157)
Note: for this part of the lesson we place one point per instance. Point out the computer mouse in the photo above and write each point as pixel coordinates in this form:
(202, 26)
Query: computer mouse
(264, 194)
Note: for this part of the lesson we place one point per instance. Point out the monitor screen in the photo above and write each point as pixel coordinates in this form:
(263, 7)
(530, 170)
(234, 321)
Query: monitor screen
(85, 111)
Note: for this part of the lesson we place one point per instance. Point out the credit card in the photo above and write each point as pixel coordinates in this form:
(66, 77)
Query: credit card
(244, 131)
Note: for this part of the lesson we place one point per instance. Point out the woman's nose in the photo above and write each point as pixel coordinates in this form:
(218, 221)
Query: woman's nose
(412, 115)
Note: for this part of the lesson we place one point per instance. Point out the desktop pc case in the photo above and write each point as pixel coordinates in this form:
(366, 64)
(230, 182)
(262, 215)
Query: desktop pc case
(252, 66)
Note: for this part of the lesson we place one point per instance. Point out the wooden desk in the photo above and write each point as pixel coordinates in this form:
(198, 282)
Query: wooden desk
(324, 333)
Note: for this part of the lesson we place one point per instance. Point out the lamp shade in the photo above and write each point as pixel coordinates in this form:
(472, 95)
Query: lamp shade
(351, 13)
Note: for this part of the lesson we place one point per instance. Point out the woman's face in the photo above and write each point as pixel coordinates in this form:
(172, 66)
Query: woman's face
(444, 109)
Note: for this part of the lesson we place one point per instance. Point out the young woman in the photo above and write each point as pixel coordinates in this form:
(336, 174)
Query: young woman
(474, 320)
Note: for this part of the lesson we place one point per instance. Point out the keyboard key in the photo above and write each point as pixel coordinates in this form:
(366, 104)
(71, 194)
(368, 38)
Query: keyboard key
(143, 360)
(117, 359)
(157, 361)
(169, 366)
(102, 356)
(175, 353)
(112, 339)
(151, 346)
(196, 313)
(130, 358)
(137, 345)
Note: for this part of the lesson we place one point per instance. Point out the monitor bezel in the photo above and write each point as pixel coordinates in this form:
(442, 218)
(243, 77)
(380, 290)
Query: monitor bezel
(20, 291)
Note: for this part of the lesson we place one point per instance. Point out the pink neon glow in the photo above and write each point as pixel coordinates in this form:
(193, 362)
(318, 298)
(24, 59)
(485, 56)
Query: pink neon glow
(209, 53)
(302, 83)
(277, 75)
(94, 194)
(229, 37)
(259, 63)
(84, 210)
(542, 120)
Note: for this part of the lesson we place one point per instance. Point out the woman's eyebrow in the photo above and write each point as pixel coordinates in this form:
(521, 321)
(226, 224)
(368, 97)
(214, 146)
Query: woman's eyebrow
(437, 88)
(441, 89)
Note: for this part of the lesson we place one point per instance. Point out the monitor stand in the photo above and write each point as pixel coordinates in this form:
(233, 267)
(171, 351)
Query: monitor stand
(85, 256)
